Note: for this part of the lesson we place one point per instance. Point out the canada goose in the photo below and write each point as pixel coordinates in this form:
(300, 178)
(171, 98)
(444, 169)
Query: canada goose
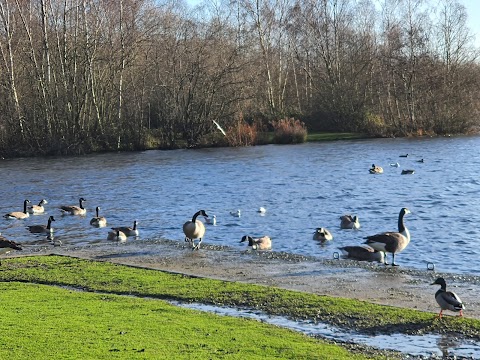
(395, 164)
(8, 245)
(405, 155)
(376, 169)
(236, 213)
(408, 172)
(42, 228)
(74, 210)
(322, 235)
(117, 235)
(362, 253)
(263, 243)
(37, 209)
(194, 229)
(261, 210)
(349, 222)
(421, 160)
(447, 300)
(211, 220)
(392, 242)
(98, 221)
(127, 230)
(19, 214)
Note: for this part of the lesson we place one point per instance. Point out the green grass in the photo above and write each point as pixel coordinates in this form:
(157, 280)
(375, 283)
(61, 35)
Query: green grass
(327, 136)
(119, 279)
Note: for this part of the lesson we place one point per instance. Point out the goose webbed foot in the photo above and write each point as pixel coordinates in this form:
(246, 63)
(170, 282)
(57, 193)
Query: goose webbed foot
(196, 247)
(394, 264)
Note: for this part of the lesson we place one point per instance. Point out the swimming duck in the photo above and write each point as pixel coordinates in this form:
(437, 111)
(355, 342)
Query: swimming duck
(263, 243)
(18, 214)
(98, 221)
(322, 235)
(349, 222)
(42, 228)
(236, 213)
(37, 209)
(405, 155)
(408, 172)
(73, 209)
(395, 164)
(362, 253)
(117, 235)
(391, 242)
(211, 220)
(261, 210)
(8, 245)
(447, 300)
(376, 169)
(194, 229)
(421, 160)
(127, 230)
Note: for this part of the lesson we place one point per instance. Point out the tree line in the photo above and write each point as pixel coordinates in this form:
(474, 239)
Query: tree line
(79, 76)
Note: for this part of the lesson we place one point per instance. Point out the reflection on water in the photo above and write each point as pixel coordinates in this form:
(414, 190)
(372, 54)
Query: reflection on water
(416, 345)
(302, 187)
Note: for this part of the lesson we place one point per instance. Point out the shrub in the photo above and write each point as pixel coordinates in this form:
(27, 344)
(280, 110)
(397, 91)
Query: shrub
(289, 131)
(242, 134)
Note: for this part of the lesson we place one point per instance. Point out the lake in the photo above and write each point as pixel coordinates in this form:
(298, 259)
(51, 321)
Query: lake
(302, 187)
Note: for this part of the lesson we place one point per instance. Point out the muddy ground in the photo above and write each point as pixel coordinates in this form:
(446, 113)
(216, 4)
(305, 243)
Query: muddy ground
(386, 285)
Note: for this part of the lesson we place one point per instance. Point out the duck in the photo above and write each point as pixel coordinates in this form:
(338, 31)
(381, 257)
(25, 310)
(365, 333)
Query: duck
(261, 210)
(404, 155)
(362, 253)
(117, 235)
(395, 164)
(349, 222)
(73, 209)
(98, 221)
(8, 245)
(42, 228)
(421, 160)
(237, 213)
(408, 172)
(194, 229)
(322, 235)
(391, 242)
(262, 243)
(211, 220)
(18, 214)
(127, 230)
(447, 300)
(37, 209)
(376, 169)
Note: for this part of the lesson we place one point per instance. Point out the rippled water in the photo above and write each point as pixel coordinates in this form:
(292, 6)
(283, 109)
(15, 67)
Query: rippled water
(301, 186)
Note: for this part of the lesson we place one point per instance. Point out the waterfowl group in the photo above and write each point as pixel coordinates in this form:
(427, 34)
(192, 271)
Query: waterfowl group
(195, 230)
(447, 300)
(391, 242)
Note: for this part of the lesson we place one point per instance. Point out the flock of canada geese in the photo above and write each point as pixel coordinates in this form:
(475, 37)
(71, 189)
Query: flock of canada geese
(374, 248)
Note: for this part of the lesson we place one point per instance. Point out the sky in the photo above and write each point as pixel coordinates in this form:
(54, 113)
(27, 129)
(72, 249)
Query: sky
(473, 11)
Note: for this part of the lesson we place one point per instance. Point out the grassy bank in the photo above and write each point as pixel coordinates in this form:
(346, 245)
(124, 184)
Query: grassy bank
(51, 310)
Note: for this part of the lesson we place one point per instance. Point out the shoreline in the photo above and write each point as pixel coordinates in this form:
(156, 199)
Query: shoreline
(371, 282)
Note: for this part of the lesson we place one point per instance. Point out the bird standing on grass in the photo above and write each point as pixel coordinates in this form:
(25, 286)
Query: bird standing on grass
(194, 229)
(447, 300)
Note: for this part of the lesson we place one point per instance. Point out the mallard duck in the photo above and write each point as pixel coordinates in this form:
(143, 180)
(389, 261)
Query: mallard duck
(37, 209)
(362, 253)
(73, 209)
(447, 300)
(391, 242)
(127, 230)
(117, 235)
(42, 228)
(211, 220)
(237, 213)
(322, 235)
(8, 245)
(349, 222)
(194, 229)
(376, 169)
(98, 221)
(18, 214)
(263, 243)
(408, 172)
